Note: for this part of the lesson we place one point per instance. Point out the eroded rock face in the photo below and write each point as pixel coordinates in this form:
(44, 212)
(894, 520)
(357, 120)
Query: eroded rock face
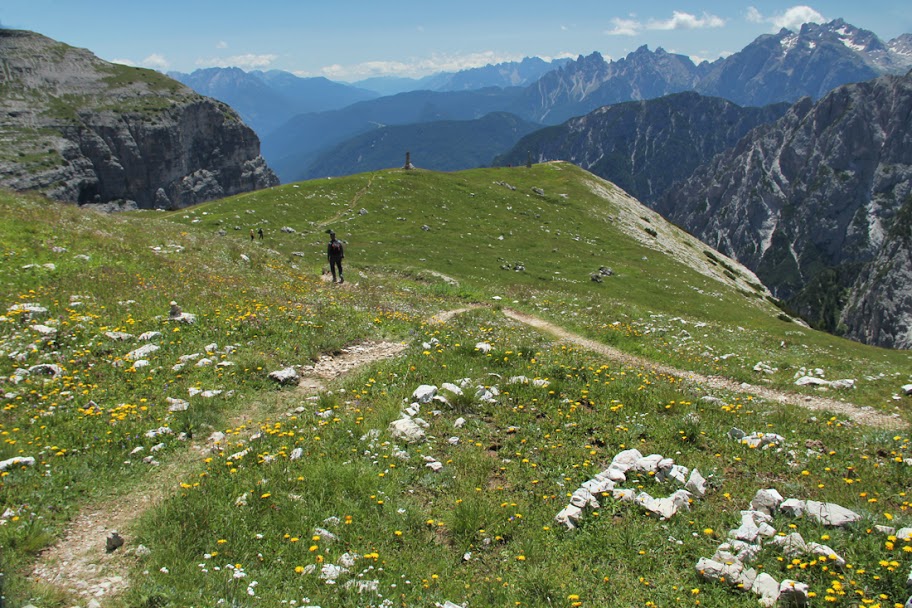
(818, 205)
(86, 131)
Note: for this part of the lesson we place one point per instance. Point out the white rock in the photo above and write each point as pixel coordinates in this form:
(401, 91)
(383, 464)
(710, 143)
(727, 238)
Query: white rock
(648, 464)
(793, 594)
(459, 423)
(17, 461)
(483, 347)
(407, 430)
(766, 501)
(568, 516)
(451, 388)
(286, 376)
(424, 393)
(149, 335)
(696, 484)
(827, 552)
(626, 460)
(141, 353)
(830, 514)
(296, 454)
(793, 507)
(767, 588)
(792, 545)
(904, 534)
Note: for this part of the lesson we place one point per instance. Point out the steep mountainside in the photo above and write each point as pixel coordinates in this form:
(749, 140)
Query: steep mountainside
(645, 146)
(811, 202)
(448, 145)
(787, 66)
(84, 130)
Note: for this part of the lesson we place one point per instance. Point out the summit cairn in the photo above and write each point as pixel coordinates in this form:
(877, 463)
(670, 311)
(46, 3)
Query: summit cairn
(408, 162)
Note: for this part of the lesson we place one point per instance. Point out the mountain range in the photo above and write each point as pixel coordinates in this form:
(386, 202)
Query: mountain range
(774, 68)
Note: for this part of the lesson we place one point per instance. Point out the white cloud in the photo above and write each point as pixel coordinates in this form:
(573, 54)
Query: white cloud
(624, 27)
(416, 67)
(221, 44)
(792, 19)
(156, 62)
(248, 61)
(679, 21)
(128, 62)
(686, 21)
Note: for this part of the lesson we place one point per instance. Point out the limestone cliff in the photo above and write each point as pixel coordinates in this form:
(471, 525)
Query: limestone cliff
(83, 130)
(810, 203)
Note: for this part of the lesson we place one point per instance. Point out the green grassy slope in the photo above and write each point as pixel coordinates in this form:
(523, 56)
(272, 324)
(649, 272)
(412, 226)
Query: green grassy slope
(656, 303)
(480, 532)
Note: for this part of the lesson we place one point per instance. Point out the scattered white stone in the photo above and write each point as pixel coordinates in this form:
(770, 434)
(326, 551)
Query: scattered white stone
(118, 336)
(696, 485)
(424, 393)
(296, 454)
(44, 330)
(407, 429)
(830, 514)
(286, 376)
(766, 501)
(459, 422)
(149, 335)
(141, 353)
(177, 405)
(767, 588)
(17, 461)
(451, 388)
(483, 347)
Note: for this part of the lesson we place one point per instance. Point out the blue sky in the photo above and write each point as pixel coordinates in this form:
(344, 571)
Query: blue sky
(349, 40)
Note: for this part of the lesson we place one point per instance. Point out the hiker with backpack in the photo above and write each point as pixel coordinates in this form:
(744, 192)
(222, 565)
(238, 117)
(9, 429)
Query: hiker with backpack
(335, 254)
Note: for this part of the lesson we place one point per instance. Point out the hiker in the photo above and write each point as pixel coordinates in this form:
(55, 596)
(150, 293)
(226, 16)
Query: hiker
(251, 234)
(335, 255)
(260, 232)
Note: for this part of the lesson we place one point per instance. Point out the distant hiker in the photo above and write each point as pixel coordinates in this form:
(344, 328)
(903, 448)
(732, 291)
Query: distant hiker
(251, 234)
(335, 255)
(260, 232)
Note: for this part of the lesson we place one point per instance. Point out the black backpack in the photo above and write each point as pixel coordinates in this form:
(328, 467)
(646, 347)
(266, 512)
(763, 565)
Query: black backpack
(335, 247)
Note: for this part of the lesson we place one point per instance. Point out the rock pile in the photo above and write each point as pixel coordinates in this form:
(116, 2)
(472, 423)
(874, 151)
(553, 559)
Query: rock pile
(632, 460)
(730, 563)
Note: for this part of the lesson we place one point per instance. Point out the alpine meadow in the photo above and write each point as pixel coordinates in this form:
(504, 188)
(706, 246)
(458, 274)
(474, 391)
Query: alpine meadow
(535, 325)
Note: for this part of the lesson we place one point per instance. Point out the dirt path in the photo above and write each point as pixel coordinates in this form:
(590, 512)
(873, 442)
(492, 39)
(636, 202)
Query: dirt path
(861, 415)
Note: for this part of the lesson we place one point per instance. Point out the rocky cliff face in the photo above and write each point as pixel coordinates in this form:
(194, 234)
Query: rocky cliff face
(82, 130)
(808, 203)
(645, 146)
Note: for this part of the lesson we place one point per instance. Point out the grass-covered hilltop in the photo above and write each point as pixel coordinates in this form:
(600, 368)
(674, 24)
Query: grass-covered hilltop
(529, 391)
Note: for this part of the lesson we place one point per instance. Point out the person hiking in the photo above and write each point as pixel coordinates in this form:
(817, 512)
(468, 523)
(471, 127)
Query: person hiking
(335, 254)
(251, 234)
(260, 232)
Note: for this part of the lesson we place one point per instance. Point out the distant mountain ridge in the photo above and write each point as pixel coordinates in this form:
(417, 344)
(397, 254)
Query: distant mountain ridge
(83, 130)
(774, 68)
(818, 204)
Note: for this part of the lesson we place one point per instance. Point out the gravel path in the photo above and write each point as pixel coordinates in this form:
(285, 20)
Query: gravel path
(858, 414)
